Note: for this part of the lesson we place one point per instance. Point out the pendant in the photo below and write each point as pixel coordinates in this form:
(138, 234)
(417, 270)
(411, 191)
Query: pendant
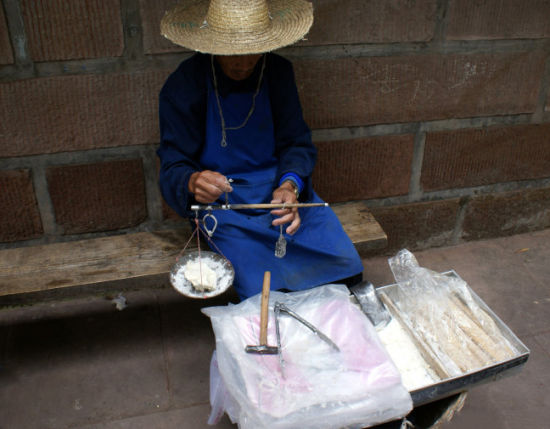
(280, 245)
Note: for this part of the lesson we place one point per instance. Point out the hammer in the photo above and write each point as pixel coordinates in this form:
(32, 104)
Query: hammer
(263, 348)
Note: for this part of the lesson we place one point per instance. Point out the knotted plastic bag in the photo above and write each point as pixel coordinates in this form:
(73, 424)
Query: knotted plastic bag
(441, 310)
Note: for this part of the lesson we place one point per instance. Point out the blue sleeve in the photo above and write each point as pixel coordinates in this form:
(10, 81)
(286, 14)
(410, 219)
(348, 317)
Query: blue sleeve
(294, 178)
(181, 118)
(295, 150)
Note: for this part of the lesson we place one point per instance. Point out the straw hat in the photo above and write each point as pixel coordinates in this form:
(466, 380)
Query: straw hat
(237, 27)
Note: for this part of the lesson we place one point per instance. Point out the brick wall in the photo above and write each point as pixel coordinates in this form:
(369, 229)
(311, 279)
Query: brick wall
(436, 112)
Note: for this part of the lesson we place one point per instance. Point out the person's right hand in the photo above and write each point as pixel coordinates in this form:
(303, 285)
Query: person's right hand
(208, 186)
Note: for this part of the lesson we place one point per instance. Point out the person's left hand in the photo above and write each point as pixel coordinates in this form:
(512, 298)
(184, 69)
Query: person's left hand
(285, 194)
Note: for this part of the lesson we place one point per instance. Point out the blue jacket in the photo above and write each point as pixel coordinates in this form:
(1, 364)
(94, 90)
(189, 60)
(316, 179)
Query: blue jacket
(182, 115)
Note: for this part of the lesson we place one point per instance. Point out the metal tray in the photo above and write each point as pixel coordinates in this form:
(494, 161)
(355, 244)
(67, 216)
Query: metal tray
(453, 385)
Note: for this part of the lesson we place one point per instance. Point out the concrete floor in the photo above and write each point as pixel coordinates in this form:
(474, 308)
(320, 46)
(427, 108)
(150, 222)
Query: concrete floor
(81, 363)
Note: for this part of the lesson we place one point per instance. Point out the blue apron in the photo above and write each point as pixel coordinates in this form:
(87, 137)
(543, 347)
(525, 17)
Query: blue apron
(320, 251)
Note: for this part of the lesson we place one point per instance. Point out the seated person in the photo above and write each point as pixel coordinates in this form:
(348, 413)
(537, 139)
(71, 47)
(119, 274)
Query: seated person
(231, 125)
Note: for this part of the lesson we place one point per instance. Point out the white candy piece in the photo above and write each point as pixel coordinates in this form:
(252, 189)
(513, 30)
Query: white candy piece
(201, 276)
(415, 371)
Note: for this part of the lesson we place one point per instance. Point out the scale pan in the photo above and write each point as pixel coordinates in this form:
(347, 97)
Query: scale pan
(217, 263)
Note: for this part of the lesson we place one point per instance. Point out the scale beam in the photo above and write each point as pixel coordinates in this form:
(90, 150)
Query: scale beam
(255, 206)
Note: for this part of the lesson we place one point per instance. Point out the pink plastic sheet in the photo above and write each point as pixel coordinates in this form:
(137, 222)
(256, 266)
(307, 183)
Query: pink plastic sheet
(319, 388)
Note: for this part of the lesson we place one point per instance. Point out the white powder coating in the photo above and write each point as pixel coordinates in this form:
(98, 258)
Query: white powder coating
(201, 276)
(415, 372)
(217, 275)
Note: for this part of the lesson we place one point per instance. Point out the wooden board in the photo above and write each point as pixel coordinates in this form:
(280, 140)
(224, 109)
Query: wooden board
(129, 256)
(361, 226)
(58, 265)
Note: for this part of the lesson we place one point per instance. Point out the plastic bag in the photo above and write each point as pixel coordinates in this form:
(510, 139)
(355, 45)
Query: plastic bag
(219, 398)
(440, 309)
(320, 388)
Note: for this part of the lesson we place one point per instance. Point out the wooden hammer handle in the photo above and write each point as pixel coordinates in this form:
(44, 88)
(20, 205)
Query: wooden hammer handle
(265, 305)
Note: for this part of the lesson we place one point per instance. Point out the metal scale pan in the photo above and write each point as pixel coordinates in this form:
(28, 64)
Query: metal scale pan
(453, 385)
(222, 267)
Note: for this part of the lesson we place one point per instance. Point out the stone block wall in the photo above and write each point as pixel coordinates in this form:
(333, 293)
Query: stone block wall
(436, 112)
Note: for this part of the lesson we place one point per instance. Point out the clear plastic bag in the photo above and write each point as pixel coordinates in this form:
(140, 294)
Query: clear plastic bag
(320, 388)
(441, 310)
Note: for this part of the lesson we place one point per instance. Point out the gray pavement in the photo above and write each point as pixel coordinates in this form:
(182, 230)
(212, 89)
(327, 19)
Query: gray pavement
(83, 364)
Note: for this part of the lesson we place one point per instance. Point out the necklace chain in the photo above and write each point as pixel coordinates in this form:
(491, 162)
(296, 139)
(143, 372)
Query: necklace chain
(223, 142)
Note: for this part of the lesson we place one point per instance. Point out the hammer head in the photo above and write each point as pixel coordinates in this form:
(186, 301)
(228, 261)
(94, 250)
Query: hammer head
(262, 350)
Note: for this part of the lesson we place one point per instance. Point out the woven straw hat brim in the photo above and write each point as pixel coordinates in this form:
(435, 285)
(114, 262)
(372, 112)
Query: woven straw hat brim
(290, 21)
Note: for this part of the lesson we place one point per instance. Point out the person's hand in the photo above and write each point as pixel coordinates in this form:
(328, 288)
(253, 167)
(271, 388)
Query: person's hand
(285, 194)
(208, 186)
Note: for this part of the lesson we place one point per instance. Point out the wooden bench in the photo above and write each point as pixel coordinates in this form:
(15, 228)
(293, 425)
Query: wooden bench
(143, 257)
